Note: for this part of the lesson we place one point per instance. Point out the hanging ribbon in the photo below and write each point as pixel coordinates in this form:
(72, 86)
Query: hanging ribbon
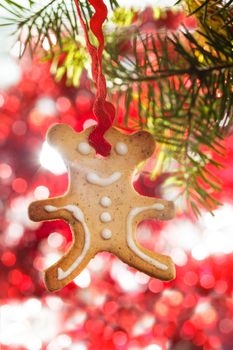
(103, 110)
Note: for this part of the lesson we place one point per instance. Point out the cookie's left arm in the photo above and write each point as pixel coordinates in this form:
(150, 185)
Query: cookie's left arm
(153, 208)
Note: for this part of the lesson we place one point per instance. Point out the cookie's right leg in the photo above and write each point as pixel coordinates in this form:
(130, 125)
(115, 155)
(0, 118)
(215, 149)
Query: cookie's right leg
(72, 263)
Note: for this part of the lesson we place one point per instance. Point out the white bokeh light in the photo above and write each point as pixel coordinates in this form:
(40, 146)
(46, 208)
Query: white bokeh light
(78, 346)
(210, 235)
(64, 341)
(98, 263)
(41, 192)
(179, 256)
(54, 303)
(28, 324)
(76, 321)
(144, 325)
(46, 106)
(125, 278)
(55, 240)
(14, 233)
(83, 280)
(51, 259)
(10, 72)
(153, 347)
(51, 160)
(140, 4)
(18, 212)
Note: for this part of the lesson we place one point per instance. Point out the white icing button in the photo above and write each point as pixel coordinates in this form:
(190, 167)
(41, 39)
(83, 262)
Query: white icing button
(106, 233)
(84, 148)
(121, 148)
(105, 217)
(105, 202)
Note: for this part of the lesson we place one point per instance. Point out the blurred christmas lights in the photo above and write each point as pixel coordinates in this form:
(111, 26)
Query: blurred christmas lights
(109, 303)
(51, 160)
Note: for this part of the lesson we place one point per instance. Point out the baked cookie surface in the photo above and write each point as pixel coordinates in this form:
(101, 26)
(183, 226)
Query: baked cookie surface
(101, 205)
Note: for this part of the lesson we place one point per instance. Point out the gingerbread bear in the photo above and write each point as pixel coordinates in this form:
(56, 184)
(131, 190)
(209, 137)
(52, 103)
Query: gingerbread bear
(101, 205)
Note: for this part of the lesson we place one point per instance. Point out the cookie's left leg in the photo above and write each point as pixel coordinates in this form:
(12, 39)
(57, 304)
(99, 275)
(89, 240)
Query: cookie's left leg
(154, 264)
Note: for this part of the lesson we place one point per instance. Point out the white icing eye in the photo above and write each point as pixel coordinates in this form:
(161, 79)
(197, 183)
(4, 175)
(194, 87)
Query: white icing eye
(84, 148)
(121, 148)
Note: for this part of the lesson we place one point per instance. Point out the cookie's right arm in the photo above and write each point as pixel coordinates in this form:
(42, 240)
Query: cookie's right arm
(39, 210)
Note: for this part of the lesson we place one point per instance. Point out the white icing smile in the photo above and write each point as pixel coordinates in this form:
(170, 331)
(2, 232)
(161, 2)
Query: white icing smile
(96, 179)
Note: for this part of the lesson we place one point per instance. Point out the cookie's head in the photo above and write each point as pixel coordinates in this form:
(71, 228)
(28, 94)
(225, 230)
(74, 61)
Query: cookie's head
(127, 150)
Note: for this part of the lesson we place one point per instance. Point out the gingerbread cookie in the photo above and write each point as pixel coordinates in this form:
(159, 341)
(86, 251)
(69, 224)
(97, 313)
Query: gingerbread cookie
(101, 205)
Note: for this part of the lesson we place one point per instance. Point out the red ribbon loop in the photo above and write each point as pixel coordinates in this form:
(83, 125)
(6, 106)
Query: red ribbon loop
(103, 110)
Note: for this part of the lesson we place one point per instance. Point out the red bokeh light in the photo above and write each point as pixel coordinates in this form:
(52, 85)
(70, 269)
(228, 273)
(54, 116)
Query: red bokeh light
(192, 312)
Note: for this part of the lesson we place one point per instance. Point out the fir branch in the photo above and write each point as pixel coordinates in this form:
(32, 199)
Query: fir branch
(183, 101)
(179, 86)
(49, 24)
(208, 9)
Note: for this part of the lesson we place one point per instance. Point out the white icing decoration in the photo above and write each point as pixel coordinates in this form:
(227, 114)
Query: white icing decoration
(158, 206)
(121, 148)
(105, 217)
(130, 239)
(84, 148)
(105, 202)
(95, 179)
(78, 214)
(106, 233)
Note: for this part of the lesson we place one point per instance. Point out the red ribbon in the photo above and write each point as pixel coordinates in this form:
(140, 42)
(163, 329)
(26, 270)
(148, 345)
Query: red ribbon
(103, 110)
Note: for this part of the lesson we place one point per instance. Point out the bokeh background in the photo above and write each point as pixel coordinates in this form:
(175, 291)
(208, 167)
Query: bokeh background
(109, 305)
